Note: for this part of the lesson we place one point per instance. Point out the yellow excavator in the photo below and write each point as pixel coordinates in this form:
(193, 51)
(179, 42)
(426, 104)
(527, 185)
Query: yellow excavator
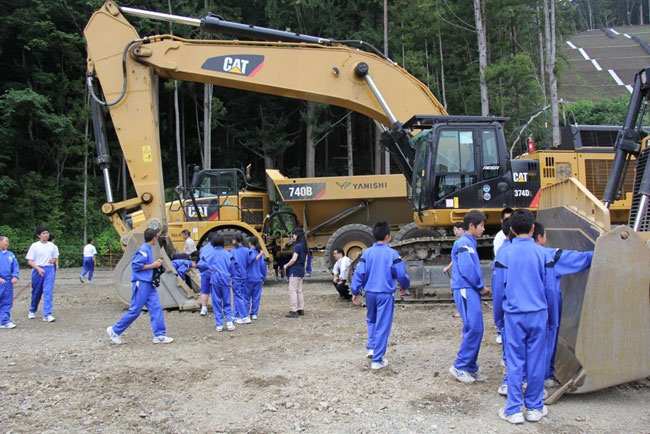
(453, 164)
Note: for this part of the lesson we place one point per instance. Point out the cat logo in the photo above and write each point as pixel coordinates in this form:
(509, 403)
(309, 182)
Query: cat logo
(240, 64)
(520, 177)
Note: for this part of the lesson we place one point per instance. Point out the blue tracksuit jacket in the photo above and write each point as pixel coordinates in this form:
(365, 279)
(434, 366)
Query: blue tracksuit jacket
(222, 266)
(181, 266)
(240, 255)
(256, 270)
(142, 256)
(378, 269)
(466, 272)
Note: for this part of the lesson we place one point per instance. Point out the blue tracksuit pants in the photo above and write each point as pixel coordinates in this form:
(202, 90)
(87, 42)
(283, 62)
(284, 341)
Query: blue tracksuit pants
(144, 294)
(470, 311)
(205, 282)
(239, 290)
(254, 297)
(6, 300)
(221, 304)
(43, 286)
(379, 319)
(551, 342)
(525, 358)
(88, 268)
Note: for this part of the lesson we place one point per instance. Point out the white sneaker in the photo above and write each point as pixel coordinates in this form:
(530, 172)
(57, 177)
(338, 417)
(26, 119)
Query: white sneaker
(9, 325)
(379, 365)
(477, 376)
(239, 321)
(162, 340)
(462, 376)
(515, 418)
(499, 339)
(220, 328)
(114, 336)
(503, 390)
(204, 311)
(503, 363)
(246, 320)
(254, 317)
(536, 415)
(81, 279)
(49, 318)
(550, 382)
(31, 315)
(371, 353)
(230, 326)
(545, 394)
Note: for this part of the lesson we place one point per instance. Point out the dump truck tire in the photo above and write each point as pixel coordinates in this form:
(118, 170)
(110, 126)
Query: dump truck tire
(353, 239)
(228, 235)
(412, 230)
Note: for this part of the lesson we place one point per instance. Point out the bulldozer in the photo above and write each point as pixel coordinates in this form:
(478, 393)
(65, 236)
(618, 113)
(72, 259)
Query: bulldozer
(604, 337)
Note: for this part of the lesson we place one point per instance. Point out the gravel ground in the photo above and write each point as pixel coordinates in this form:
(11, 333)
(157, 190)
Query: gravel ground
(275, 375)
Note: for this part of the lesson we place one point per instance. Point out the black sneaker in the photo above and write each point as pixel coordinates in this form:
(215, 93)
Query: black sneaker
(292, 314)
(301, 312)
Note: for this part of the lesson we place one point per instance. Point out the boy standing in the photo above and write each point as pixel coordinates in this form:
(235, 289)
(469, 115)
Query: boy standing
(42, 257)
(564, 262)
(89, 261)
(239, 289)
(8, 277)
(528, 304)
(205, 256)
(144, 293)
(467, 287)
(222, 268)
(376, 273)
(256, 274)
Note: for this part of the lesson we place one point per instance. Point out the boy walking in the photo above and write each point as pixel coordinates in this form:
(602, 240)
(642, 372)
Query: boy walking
(222, 268)
(144, 293)
(42, 257)
(564, 262)
(467, 287)
(89, 261)
(239, 291)
(376, 273)
(528, 310)
(8, 277)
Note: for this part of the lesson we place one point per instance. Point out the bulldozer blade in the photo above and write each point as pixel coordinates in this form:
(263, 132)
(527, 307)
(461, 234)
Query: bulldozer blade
(173, 292)
(604, 336)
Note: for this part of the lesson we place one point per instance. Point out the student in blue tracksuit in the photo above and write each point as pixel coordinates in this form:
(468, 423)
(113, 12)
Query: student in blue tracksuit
(498, 287)
(42, 256)
(89, 259)
(222, 269)
(202, 265)
(564, 262)
(8, 277)
(182, 266)
(467, 287)
(144, 293)
(256, 274)
(240, 253)
(529, 309)
(376, 273)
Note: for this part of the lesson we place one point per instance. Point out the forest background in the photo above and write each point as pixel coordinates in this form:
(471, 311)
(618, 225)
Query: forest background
(46, 143)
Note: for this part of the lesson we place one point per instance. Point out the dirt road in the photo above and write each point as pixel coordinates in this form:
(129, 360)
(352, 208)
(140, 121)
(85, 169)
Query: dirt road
(275, 375)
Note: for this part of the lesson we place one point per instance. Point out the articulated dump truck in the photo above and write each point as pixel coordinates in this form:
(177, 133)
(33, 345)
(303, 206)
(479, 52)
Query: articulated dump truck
(604, 337)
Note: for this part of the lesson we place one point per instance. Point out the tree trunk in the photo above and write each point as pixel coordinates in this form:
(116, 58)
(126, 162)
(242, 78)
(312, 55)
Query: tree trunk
(542, 67)
(591, 15)
(207, 122)
(640, 13)
(442, 71)
(549, 14)
(348, 127)
(386, 154)
(177, 116)
(310, 149)
(482, 57)
(268, 164)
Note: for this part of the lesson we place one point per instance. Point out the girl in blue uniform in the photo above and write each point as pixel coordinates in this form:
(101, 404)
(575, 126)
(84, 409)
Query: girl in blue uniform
(256, 274)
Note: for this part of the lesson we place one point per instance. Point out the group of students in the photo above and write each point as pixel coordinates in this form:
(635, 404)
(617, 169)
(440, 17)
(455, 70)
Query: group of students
(527, 308)
(43, 258)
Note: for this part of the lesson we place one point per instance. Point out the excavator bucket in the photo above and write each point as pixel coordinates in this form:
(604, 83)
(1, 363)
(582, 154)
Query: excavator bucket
(173, 291)
(604, 337)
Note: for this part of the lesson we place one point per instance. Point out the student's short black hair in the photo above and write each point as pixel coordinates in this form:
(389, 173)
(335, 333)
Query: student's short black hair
(521, 221)
(254, 242)
(473, 217)
(194, 256)
(458, 225)
(237, 237)
(90, 240)
(51, 237)
(338, 250)
(380, 230)
(185, 232)
(505, 226)
(539, 230)
(217, 240)
(41, 229)
(505, 211)
(150, 234)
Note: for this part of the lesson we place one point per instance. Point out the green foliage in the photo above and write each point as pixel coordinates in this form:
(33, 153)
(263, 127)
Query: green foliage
(610, 112)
